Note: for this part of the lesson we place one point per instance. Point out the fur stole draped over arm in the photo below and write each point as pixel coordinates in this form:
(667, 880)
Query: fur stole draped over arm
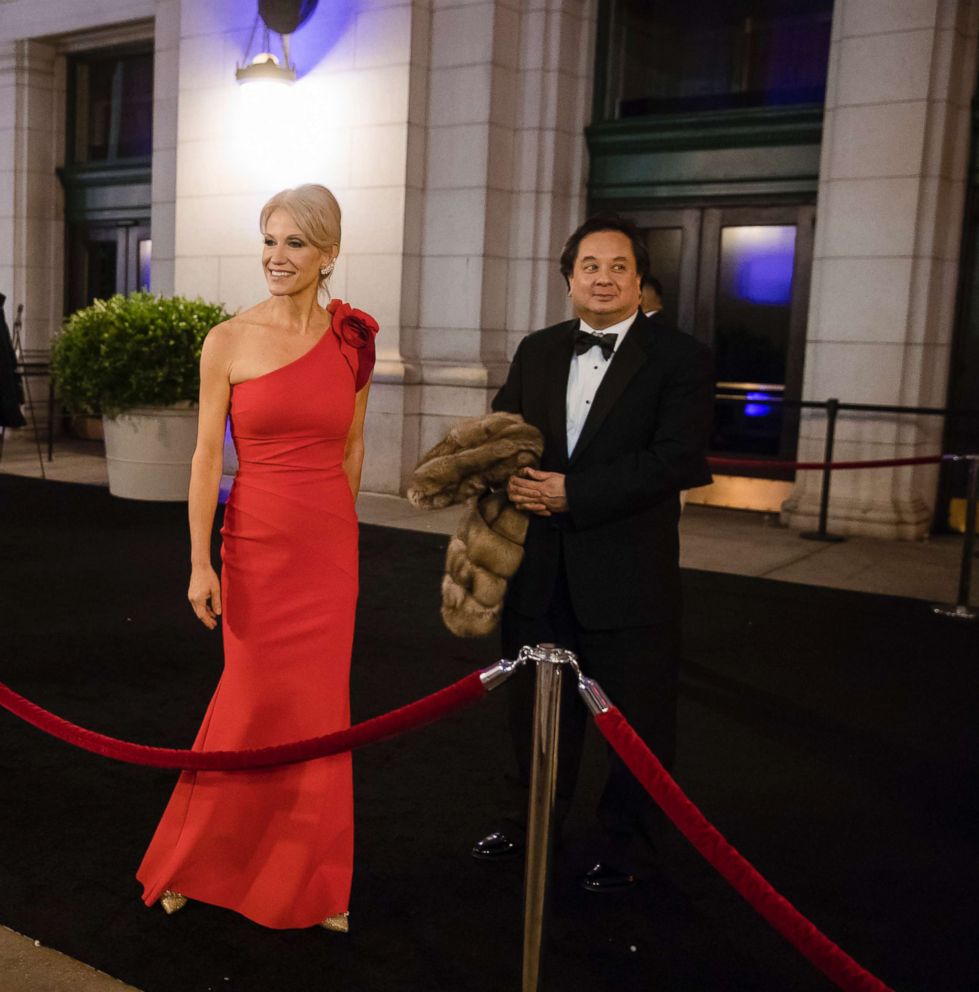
(472, 465)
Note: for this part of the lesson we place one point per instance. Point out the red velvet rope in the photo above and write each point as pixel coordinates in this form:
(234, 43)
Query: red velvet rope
(803, 466)
(835, 963)
(415, 714)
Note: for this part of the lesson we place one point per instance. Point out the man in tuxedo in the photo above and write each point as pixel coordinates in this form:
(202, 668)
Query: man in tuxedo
(624, 403)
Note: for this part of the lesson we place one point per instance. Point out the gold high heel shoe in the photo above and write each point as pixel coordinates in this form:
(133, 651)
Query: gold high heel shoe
(338, 924)
(172, 901)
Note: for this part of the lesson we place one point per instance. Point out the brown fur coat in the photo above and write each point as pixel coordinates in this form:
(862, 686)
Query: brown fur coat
(472, 466)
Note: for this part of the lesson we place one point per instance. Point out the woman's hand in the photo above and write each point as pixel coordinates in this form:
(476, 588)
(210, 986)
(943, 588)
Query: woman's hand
(205, 585)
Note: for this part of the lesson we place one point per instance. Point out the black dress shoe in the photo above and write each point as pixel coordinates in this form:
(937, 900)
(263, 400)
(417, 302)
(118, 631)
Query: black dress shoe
(603, 878)
(495, 847)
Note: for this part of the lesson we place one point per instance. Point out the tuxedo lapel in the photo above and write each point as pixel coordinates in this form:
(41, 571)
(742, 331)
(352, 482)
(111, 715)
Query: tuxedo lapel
(555, 384)
(628, 359)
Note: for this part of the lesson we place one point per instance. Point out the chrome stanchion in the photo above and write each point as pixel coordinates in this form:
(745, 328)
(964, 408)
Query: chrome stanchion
(592, 695)
(961, 610)
(496, 674)
(543, 781)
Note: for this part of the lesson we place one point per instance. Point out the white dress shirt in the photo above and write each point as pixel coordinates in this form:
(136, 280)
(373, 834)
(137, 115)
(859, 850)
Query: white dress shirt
(585, 376)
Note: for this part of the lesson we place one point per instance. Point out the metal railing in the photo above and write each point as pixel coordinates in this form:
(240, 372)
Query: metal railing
(832, 407)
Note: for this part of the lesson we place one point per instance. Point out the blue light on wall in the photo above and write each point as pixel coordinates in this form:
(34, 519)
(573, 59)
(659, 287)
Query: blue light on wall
(328, 26)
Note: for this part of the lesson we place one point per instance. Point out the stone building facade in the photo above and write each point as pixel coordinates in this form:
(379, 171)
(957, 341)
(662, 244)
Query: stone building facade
(454, 135)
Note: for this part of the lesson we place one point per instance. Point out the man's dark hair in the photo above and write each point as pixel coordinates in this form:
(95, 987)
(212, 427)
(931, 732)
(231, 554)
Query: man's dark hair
(654, 284)
(605, 222)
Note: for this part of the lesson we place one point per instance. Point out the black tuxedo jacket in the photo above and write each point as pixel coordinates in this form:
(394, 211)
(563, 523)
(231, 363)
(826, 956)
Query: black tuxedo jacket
(644, 440)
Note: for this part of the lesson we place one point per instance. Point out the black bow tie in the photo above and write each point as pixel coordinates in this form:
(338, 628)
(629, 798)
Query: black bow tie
(583, 340)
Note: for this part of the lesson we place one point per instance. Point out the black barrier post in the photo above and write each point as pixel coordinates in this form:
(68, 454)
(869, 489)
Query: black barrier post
(832, 409)
(961, 609)
(26, 370)
(50, 418)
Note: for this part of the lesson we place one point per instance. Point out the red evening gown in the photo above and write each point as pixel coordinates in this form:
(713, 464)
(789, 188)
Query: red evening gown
(277, 845)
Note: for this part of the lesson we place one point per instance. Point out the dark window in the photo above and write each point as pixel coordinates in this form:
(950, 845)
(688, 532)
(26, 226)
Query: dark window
(100, 265)
(677, 56)
(112, 107)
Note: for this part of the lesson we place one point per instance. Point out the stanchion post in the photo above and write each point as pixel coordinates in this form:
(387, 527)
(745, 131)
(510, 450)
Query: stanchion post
(543, 782)
(50, 417)
(832, 409)
(961, 610)
(969, 543)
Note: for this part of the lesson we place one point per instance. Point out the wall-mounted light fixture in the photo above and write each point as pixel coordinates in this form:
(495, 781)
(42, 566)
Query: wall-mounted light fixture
(281, 17)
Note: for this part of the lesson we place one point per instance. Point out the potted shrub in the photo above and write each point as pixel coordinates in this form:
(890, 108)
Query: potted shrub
(76, 356)
(135, 360)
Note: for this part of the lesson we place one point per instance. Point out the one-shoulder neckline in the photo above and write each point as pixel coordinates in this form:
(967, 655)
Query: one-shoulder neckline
(282, 368)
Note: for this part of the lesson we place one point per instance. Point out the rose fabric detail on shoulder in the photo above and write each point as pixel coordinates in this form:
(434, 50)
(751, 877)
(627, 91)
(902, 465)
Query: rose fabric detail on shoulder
(355, 330)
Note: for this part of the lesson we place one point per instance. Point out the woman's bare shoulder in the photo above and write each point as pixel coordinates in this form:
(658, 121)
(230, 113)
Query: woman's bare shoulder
(224, 340)
(219, 337)
(230, 332)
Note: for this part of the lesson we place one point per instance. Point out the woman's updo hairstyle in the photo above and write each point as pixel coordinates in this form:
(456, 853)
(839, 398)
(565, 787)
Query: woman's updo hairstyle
(316, 213)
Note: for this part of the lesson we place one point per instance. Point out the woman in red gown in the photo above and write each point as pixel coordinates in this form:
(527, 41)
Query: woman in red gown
(276, 845)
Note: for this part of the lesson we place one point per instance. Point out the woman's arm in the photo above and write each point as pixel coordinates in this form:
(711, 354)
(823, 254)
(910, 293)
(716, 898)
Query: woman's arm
(204, 591)
(353, 451)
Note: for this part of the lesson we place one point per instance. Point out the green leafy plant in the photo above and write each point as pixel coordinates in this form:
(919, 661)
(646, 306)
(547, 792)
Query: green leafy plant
(132, 351)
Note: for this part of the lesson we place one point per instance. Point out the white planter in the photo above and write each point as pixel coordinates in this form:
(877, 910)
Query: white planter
(148, 451)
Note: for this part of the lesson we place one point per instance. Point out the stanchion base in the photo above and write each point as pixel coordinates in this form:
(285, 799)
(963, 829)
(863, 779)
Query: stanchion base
(819, 535)
(957, 612)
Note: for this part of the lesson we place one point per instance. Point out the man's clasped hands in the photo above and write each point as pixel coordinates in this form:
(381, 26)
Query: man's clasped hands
(538, 492)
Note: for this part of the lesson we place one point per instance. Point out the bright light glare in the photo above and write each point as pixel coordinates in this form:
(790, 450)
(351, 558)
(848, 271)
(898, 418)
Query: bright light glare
(761, 236)
(275, 141)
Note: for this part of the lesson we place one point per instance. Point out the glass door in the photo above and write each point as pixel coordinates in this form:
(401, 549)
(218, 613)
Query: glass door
(738, 279)
(104, 259)
(673, 240)
(755, 266)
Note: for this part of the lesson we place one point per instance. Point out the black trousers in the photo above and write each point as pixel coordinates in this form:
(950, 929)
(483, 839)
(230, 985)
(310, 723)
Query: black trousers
(638, 668)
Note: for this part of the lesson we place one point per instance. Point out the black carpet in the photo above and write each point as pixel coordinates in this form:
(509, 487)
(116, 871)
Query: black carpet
(832, 737)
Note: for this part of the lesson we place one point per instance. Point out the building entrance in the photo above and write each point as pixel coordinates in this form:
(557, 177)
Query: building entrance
(738, 279)
(107, 174)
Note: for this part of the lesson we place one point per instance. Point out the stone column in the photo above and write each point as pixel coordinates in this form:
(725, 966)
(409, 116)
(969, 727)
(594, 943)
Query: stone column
(391, 429)
(888, 229)
(9, 78)
(507, 97)
(32, 125)
(32, 96)
(166, 69)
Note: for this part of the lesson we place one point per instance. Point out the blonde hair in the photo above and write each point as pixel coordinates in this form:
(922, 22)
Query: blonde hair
(316, 213)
